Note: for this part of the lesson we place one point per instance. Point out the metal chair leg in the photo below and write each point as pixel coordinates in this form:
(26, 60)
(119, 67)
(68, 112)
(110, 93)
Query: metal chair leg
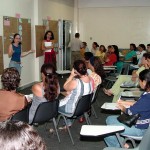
(68, 129)
(55, 126)
(88, 121)
(93, 111)
(119, 139)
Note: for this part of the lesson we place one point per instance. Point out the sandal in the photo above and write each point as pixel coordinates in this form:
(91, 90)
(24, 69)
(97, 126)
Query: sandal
(107, 92)
(64, 128)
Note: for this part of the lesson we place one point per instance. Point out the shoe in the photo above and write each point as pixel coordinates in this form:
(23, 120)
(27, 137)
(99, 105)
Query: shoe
(51, 130)
(64, 128)
(81, 119)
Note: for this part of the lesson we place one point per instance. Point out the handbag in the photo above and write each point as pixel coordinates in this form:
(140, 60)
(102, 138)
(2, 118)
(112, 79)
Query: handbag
(128, 120)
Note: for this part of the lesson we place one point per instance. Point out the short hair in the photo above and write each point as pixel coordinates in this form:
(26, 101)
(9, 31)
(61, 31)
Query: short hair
(142, 46)
(51, 81)
(145, 75)
(88, 55)
(17, 135)
(77, 35)
(80, 66)
(10, 79)
(134, 46)
(52, 35)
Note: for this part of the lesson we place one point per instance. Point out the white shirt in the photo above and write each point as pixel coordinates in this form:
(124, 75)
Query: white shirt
(75, 44)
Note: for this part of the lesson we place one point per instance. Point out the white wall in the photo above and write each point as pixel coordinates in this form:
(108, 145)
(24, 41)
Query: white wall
(36, 10)
(114, 21)
(25, 9)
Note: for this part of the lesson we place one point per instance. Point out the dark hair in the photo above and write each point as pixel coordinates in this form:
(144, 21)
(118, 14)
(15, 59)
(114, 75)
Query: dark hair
(103, 47)
(95, 43)
(98, 67)
(88, 55)
(145, 75)
(146, 55)
(52, 35)
(15, 37)
(116, 51)
(10, 79)
(51, 81)
(148, 44)
(77, 35)
(142, 46)
(84, 43)
(80, 66)
(16, 135)
(134, 46)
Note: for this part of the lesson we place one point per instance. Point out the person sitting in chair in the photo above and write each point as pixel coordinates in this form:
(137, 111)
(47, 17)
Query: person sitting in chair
(77, 85)
(47, 90)
(11, 102)
(140, 107)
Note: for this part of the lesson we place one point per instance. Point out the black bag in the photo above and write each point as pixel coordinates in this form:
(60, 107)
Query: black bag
(128, 120)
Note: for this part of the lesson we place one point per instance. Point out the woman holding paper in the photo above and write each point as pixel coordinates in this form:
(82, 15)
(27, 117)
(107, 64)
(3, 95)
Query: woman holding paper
(48, 48)
(14, 51)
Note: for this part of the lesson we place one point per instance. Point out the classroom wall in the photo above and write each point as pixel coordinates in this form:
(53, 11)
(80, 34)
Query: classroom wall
(36, 10)
(114, 22)
(25, 9)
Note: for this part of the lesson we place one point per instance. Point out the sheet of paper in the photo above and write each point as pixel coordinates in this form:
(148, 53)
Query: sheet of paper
(131, 93)
(110, 106)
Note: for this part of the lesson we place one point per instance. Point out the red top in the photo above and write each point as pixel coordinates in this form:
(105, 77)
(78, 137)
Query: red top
(112, 59)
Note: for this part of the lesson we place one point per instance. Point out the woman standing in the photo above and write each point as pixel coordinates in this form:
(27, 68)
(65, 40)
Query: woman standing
(48, 48)
(14, 51)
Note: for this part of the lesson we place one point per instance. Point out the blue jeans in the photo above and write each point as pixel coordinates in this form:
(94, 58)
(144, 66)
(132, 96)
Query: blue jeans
(112, 140)
(15, 65)
(62, 109)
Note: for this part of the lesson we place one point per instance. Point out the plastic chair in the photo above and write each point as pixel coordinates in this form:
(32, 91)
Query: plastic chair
(22, 115)
(45, 112)
(82, 106)
(144, 144)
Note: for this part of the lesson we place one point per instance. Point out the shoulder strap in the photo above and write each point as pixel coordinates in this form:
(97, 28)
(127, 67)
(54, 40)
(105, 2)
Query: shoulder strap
(82, 88)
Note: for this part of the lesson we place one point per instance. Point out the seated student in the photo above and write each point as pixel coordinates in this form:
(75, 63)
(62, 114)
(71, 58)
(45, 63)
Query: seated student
(148, 47)
(115, 90)
(17, 135)
(140, 107)
(83, 49)
(77, 85)
(96, 70)
(10, 101)
(140, 52)
(112, 56)
(128, 58)
(47, 90)
(101, 53)
(95, 48)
